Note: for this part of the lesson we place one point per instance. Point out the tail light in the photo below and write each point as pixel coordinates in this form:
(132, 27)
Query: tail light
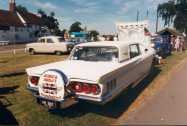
(77, 87)
(84, 88)
(34, 80)
(95, 89)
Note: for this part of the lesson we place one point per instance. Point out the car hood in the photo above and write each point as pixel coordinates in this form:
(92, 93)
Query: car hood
(91, 71)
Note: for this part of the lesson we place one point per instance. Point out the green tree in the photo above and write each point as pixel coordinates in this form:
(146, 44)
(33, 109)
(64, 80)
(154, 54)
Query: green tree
(94, 34)
(76, 27)
(174, 11)
(21, 9)
(50, 22)
(42, 13)
(180, 21)
(52, 14)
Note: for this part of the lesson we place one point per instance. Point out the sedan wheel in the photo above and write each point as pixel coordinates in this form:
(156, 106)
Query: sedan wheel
(31, 51)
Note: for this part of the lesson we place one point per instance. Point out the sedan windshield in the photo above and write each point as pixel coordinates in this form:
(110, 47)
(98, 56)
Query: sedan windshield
(95, 54)
(60, 39)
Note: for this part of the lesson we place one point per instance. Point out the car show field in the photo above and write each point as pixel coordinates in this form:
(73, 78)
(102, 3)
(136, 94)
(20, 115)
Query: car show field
(93, 63)
(26, 111)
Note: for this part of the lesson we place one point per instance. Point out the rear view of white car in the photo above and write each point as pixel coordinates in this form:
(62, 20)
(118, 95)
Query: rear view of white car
(95, 72)
(50, 44)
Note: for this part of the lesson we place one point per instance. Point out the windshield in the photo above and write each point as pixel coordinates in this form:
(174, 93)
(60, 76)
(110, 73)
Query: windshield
(95, 54)
(60, 39)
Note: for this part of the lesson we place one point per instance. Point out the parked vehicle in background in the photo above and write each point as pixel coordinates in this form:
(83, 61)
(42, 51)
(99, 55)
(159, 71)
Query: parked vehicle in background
(162, 48)
(50, 44)
(95, 71)
(77, 41)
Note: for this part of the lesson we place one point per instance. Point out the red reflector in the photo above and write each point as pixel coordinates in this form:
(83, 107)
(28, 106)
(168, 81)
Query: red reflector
(86, 89)
(34, 80)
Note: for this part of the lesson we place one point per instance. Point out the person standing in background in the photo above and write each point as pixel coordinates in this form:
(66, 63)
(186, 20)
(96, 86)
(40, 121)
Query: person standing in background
(181, 44)
(177, 43)
(173, 42)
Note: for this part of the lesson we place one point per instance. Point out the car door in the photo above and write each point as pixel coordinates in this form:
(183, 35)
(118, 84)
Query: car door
(50, 45)
(136, 55)
(40, 45)
(147, 59)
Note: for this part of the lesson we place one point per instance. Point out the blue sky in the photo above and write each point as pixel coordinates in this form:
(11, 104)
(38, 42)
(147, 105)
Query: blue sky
(95, 14)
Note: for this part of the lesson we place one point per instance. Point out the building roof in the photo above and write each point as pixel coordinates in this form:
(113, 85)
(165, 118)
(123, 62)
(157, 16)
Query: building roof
(31, 18)
(12, 19)
(169, 31)
(9, 19)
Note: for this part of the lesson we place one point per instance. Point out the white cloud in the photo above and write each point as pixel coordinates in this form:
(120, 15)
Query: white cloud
(86, 10)
(86, 6)
(84, 2)
(127, 6)
(97, 13)
(47, 5)
(118, 2)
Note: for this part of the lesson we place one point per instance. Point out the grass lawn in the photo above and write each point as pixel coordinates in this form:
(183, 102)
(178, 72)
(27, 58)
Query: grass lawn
(10, 62)
(28, 113)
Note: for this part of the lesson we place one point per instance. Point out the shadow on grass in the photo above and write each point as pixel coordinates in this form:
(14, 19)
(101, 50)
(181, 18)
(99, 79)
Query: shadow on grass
(8, 90)
(113, 109)
(4, 61)
(6, 117)
(52, 54)
(12, 74)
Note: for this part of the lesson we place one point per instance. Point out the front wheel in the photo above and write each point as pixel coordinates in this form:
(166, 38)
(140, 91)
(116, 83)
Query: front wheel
(31, 51)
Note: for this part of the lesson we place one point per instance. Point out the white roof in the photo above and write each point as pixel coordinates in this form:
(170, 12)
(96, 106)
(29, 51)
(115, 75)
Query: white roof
(107, 43)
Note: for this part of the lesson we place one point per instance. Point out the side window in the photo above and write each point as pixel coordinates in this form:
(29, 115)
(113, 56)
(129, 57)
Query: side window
(50, 41)
(134, 50)
(42, 40)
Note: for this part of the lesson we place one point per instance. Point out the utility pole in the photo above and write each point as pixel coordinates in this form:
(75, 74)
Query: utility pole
(157, 21)
(138, 14)
(147, 15)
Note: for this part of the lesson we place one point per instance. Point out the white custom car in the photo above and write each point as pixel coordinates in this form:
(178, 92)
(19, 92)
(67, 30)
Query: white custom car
(96, 72)
(50, 44)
